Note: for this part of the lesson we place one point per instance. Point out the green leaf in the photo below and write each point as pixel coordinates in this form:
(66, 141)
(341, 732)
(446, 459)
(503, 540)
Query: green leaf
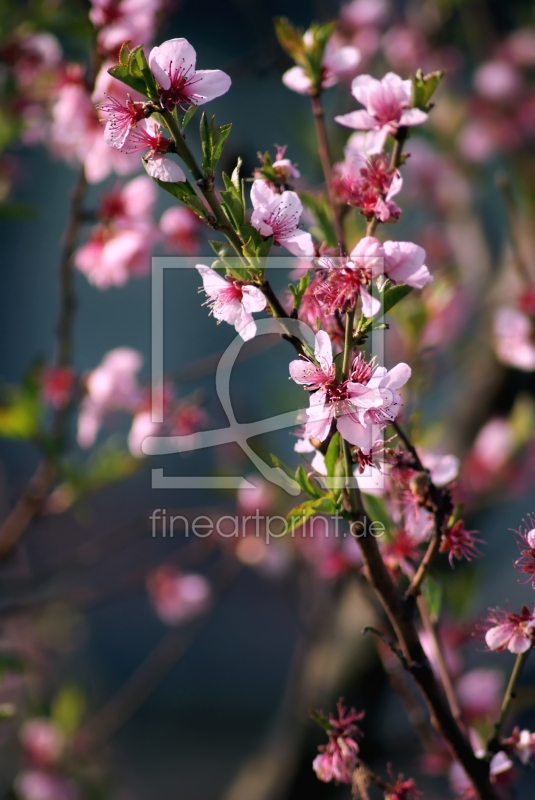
(424, 87)
(20, 408)
(320, 210)
(300, 514)
(390, 297)
(213, 138)
(122, 73)
(68, 708)
(233, 199)
(333, 454)
(188, 116)
(376, 511)
(290, 39)
(308, 486)
(185, 192)
(141, 67)
(432, 593)
(299, 290)
(7, 710)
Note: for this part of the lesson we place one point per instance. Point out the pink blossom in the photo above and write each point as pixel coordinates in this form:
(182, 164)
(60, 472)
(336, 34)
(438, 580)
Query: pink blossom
(42, 741)
(519, 47)
(480, 692)
(112, 386)
(387, 102)
(121, 21)
(497, 80)
(460, 543)
(373, 402)
(368, 184)
(142, 427)
(404, 47)
(443, 469)
(278, 215)
(526, 544)
(400, 262)
(35, 53)
(523, 744)
(120, 247)
(513, 632)
(57, 386)
(147, 135)
(361, 13)
(120, 119)
(402, 788)
(34, 784)
(514, 339)
(173, 66)
(180, 228)
(336, 61)
(75, 130)
(477, 142)
(362, 406)
(232, 301)
(345, 283)
(404, 263)
(494, 444)
(261, 497)
(338, 759)
(178, 597)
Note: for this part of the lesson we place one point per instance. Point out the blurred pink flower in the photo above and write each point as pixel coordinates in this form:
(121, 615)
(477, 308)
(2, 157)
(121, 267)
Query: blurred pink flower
(497, 80)
(121, 21)
(75, 130)
(33, 784)
(112, 386)
(480, 692)
(404, 263)
(57, 385)
(232, 301)
(260, 498)
(42, 741)
(173, 65)
(405, 48)
(180, 228)
(362, 13)
(278, 215)
(335, 62)
(514, 339)
(120, 246)
(387, 102)
(178, 597)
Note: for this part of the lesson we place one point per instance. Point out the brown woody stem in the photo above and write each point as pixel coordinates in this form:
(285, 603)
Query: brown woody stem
(326, 165)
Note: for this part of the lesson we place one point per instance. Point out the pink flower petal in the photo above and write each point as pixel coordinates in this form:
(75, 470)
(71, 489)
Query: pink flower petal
(169, 56)
(163, 168)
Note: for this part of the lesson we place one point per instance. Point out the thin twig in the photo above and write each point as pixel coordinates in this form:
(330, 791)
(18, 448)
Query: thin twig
(326, 164)
(510, 694)
(445, 677)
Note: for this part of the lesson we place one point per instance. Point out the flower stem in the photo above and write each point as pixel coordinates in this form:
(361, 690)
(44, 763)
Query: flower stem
(510, 694)
(348, 344)
(325, 158)
(443, 670)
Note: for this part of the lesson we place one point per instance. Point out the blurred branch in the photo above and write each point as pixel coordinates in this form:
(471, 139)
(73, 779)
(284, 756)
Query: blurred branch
(326, 164)
(150, 673)
(511, 213)
(510, 694)
(30, 502)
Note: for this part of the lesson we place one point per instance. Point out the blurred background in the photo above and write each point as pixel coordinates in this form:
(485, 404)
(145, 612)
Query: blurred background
(215, 703)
